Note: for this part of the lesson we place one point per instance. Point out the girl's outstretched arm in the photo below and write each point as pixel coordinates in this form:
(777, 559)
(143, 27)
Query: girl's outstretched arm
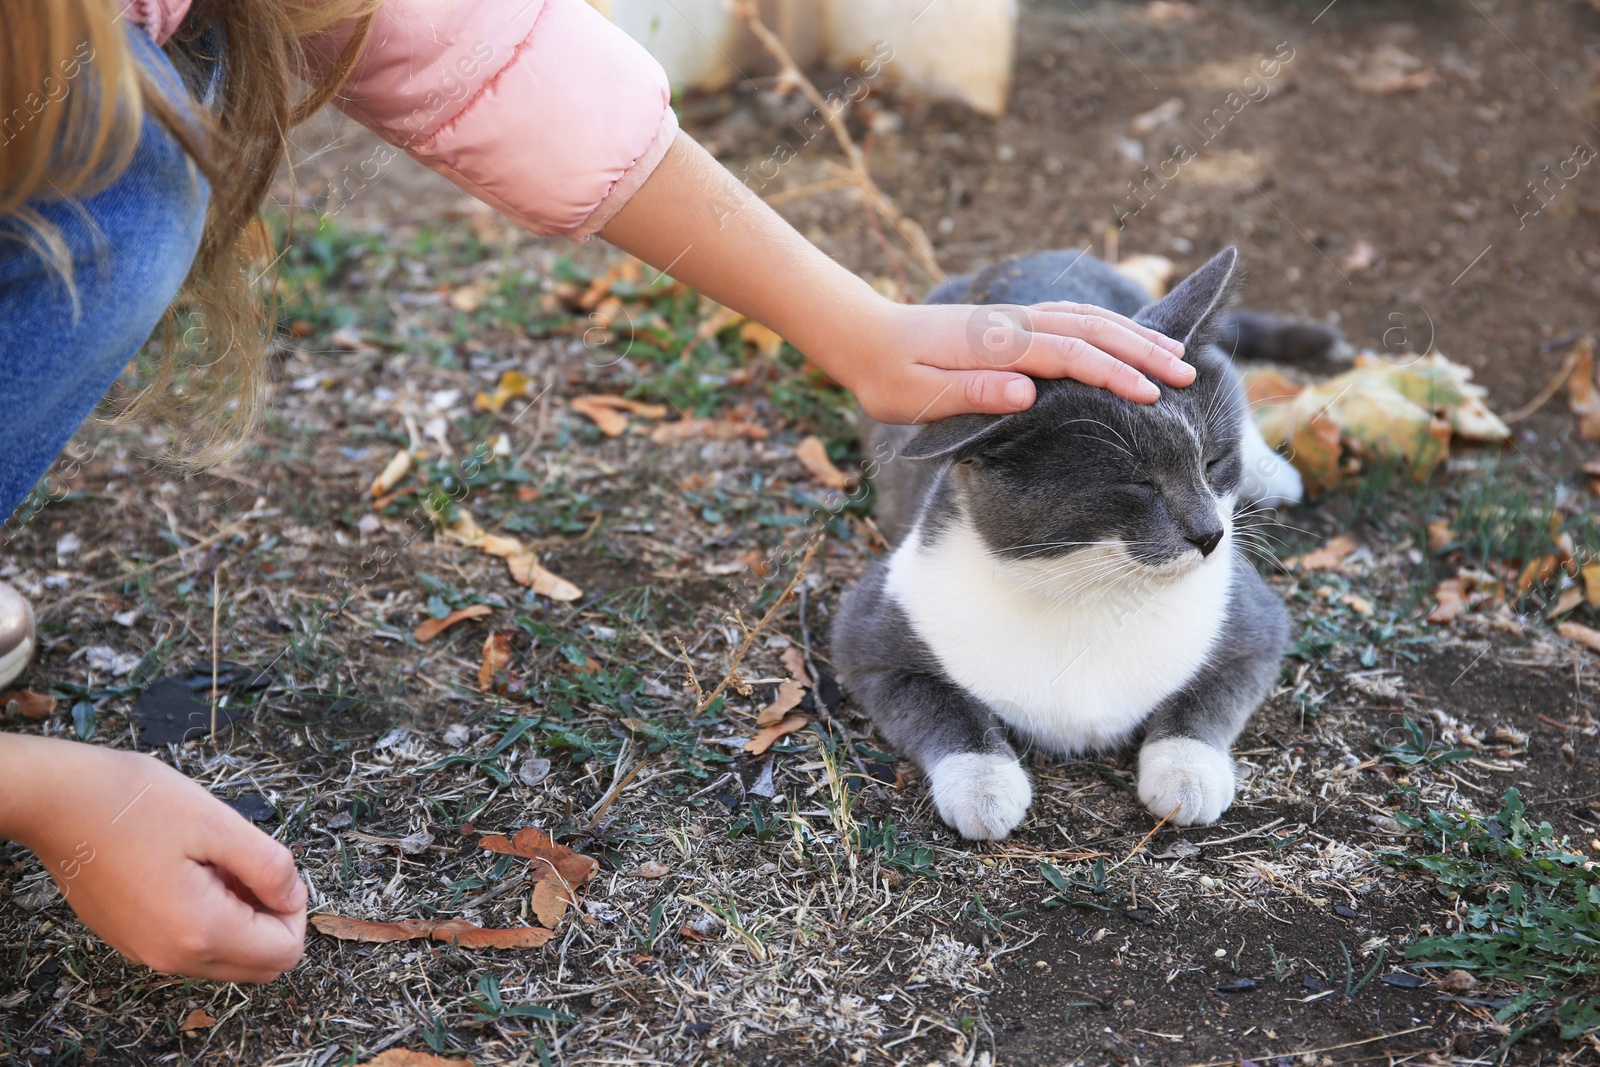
(905, 363)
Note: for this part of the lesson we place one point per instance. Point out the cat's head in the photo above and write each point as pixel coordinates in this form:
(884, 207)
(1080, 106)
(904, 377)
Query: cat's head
(1145, 488)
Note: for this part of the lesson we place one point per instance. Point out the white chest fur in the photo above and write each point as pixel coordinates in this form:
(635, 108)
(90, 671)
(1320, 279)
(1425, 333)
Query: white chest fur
(1075, 672)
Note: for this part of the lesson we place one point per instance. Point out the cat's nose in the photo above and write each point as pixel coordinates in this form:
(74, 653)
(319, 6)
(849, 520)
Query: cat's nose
(1206, 542)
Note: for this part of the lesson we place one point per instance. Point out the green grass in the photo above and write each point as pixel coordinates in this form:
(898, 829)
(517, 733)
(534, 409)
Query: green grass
(1530, 914)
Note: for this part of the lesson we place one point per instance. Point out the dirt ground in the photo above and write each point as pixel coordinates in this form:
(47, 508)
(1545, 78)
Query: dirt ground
(816, 911)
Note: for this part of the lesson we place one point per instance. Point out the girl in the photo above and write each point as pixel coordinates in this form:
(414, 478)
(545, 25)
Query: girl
(140, 137)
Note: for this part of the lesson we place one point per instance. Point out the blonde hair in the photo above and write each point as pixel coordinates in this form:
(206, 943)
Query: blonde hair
(72, 102)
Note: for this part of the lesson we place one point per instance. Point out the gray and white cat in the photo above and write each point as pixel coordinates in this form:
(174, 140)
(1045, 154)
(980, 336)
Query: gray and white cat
(1072, 573)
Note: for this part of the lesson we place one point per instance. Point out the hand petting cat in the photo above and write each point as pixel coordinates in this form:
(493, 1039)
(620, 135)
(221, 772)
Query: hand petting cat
(905, 363)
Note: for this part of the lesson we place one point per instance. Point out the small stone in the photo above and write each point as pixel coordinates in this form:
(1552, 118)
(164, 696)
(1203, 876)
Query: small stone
(533, 770)
(1458, 981)
(416, 844)
(650, 869)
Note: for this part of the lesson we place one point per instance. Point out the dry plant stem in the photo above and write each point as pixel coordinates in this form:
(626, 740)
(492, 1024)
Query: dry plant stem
(751, 632)
(856, 173)
(1146, 838)
(1551, 388)
(1311, 1051)
(216, 619)
(615, 792)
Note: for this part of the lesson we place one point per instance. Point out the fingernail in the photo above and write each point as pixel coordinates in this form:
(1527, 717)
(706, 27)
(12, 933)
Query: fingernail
(1148, 391)
(1018, 394)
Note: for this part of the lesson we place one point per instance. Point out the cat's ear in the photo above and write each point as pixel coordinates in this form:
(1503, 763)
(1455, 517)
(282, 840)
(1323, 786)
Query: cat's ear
(1184, 313)
(958, 433)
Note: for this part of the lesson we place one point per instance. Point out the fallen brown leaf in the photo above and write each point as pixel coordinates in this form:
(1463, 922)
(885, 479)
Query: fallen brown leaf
(650, 869)
(397, 467)
(366, 930)
(767, 736)
(1540, 569)
(1591, 583)
(460, 932)
(428, 629)
(813, 456)
(550, 900)
(794, 661)
(534, 844)
(790, 692)
(1441, 534)
(1583, 635)
(1583, 391)
(1358, 604)
(199, 1019)
(513, 383)
(453, 931)
(1566, 602)
(527, 570)
(1452, 601)
(669, 433)
(611, 422)
(496, 658)
(28, 704)
(404, 1057)
(622, 403)
(1329, 556)
(767, 342)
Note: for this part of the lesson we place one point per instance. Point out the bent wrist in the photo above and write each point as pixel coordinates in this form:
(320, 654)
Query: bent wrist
(25, 773)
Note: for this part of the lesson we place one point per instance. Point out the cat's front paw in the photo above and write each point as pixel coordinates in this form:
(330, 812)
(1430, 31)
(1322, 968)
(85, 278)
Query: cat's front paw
(1189, 779)
(982, 796)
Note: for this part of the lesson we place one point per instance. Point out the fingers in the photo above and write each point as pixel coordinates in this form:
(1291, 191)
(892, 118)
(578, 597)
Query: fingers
(1156, 337)
(261, 865)
(1079, 343)
(946, 393)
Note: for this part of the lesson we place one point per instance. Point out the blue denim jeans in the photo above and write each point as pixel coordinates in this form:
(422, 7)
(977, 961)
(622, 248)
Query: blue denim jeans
(132, 245)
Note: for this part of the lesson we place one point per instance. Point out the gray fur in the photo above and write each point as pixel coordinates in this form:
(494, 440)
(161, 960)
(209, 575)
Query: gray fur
(1081, 466)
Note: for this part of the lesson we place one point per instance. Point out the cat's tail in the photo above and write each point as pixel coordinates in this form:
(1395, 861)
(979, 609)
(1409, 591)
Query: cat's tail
(1255, 337)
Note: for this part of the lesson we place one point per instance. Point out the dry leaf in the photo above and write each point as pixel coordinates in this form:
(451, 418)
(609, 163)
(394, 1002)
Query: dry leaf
(611, 422)
(1452, 601)
(530, 843)
(719, 320)
(460, 932)
(28, 704)
(365, 930)
(513, 383)
(790, 691)
(1441, 534)
(391, 474)
(1539, 570)
(1157, 117)
(767, 343)
(404, 1057)
(1583, 391)
(813, 456)
(650, 869)
(794, 661)
(1329, 556)
(523, 564)
(199, 1019)
(428, 629)
(622, 403)
(526, 570)
(496, 657)
(1591, 583)
(1566, 602)
(1358, 604)
(669, 433)
(468, 298)
(1152, 273)
(453, 931)
(1583, 635)
(550, 900)
(767, 736)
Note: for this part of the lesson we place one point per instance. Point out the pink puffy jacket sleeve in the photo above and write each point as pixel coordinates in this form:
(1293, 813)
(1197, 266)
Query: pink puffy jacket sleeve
(541, 108)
